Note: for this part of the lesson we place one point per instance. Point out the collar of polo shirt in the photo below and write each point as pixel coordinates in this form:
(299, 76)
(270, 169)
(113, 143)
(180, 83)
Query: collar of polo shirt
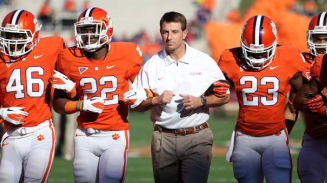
(185, 59)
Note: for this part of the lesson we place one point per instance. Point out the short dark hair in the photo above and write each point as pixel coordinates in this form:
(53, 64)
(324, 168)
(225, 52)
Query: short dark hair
(174, 17)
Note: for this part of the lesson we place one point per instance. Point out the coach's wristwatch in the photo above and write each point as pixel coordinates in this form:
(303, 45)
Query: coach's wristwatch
(203, 100)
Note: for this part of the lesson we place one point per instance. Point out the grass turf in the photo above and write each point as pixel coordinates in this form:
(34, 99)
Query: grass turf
(139, 169)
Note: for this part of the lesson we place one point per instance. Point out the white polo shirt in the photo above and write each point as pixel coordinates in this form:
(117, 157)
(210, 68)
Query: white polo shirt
(192, 74)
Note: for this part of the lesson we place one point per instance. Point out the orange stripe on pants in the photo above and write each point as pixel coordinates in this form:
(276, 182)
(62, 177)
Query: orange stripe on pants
(125, 158)
(48, 170)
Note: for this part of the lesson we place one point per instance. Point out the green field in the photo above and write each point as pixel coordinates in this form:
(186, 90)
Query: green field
(139, 169)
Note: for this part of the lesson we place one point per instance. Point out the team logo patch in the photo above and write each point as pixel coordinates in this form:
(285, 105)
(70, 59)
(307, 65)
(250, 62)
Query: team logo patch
(195, 73)
(40, 137)
(115, 136)
(82, 69)
(4, 144)
(8, 64)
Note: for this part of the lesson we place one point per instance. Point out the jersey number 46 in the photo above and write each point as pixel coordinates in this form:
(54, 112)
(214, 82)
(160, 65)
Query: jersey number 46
(34, 86)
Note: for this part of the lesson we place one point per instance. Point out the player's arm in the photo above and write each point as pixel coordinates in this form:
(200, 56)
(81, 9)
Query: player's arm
(132, 73)
(189, 101)
(214, 101)
(143, 100)
(63, 105)
(216, 95)
(62, 82)
(14, 115)
(290, 112)
(309, 98)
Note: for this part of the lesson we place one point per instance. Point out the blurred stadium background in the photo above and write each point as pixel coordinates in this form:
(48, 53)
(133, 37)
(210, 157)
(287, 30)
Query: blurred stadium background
(213, 26)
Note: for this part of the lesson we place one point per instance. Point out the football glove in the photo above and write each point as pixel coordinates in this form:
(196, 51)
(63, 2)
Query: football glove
(61, 82)
(220, 88)
(14, 115)
(135, 97)
(316, 104)
(95, 105)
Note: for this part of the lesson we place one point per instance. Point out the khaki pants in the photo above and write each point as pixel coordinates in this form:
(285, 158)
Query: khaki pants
(179, 158)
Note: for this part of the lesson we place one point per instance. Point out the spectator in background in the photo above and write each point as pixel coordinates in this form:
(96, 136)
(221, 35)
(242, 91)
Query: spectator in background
(202, 16)
(209, 6)
(86, 4)
(325, 6)
(70, 5)
(71, 41)
(234, 16)
(46, 15)
(310, 7)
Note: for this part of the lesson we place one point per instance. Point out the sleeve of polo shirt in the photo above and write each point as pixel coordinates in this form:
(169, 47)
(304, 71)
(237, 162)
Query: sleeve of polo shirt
(215, 73)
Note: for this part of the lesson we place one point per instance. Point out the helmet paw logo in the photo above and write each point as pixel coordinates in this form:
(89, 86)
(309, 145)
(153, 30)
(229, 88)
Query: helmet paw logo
(278, 133)
(40, 137)
(115, 136)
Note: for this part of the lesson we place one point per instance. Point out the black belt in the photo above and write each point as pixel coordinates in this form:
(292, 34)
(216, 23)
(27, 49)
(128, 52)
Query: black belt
(182, 131)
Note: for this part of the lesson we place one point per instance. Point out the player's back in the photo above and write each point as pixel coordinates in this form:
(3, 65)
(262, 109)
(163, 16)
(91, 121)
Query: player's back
(261, 94)
(25, 83)
(107, 78)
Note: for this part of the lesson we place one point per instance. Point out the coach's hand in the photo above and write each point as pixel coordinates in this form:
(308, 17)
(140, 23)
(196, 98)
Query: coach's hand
(135, 97)
(14, 115)
(164, 98)
(95, 105)
(61, 82)
(191, 102)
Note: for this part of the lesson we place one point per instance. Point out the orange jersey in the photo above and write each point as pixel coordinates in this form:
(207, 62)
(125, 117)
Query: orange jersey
(307, 65)
(261, 95)
(25, 83)
(107, 78)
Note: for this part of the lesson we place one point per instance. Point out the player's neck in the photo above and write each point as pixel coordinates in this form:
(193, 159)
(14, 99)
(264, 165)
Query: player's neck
(98, 54)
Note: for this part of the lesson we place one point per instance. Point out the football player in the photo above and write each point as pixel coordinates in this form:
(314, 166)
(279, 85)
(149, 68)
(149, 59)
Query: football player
(312, 160)
(99, 71)
(261, 72)
(27, 65)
